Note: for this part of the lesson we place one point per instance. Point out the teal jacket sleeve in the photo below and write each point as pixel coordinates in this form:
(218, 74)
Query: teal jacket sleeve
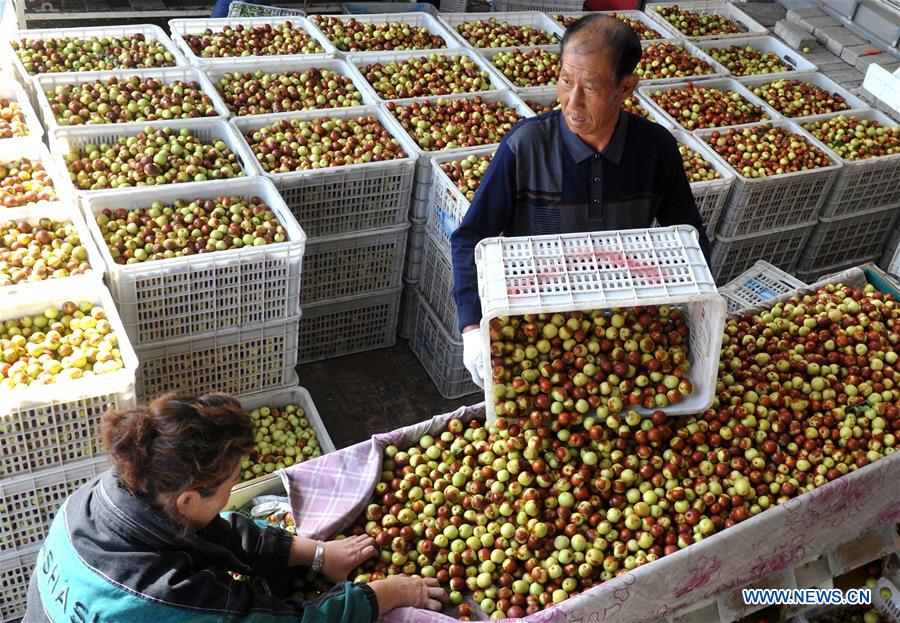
(346, 602)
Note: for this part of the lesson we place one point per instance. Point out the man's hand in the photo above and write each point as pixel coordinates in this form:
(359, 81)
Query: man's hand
(473, 353)
(343, 556)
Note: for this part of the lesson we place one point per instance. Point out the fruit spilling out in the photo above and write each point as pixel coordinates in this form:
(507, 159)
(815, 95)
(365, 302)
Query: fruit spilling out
(669, 60)
(352, 35)
(132, 99)
(149, 158)
(595, 361)
(295, 145)
(284, 436)
(795, 98)
(763, 150)
(695, 106)
(494, 33)
(262, 92)
(188, 228)
(699, 23)
(542, 506)
(748, 61)
(533, 68)
(55, 55)
(853, 138)
(421, 76)
(12, 119)
(47, 249)
(23, 182)
(263, 40)
(467, 172)
(697, 168)
(642, 30)
(62, 343)
(448, 124)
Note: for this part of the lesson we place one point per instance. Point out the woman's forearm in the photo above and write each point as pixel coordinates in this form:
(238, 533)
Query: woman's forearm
(302, 552)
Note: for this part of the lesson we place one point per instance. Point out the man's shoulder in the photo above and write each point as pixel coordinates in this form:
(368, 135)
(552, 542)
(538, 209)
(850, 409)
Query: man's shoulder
(647, 132)
(532, 131)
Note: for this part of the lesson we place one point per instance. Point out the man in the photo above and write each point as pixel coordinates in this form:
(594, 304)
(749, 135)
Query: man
(587, 167)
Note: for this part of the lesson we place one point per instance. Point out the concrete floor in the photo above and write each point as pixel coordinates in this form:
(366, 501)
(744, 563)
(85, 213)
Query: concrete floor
(374, 392)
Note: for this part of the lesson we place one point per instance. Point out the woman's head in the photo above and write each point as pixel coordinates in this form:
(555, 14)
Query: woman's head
(180, 453)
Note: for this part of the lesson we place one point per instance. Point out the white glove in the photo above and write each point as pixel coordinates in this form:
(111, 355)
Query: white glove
(473, 355)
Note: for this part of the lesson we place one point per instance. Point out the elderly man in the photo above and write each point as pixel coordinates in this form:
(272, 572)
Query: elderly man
(589, 166)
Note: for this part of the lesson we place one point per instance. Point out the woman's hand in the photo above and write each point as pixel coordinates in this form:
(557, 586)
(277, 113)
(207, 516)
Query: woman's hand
(398, 591)
(343, 556)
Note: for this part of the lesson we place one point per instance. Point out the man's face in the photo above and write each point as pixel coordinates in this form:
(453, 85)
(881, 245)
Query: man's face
(588, 94)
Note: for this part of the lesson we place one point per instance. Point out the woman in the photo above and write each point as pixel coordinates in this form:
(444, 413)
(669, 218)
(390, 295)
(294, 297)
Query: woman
(145, 541)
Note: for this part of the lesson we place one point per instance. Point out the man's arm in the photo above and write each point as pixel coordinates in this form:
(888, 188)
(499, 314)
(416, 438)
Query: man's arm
(677, 206)
(487, 216)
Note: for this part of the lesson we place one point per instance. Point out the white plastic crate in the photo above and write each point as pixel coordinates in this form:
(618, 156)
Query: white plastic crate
(664, 30)
(709, 195)
(242, 362)
(217, 71)
(15, 572)
(441, 354)
(148, 30)
(188, 26)
(537, 5)
(769, 203)
(715, 7)
(843, 240)
(297, 396)
(515, 17)
(725, 85)
(448, 204)
(415, 247)
(578, 272)
(418, 19)
(33, 149)
(13, 91)
(76, 137)
(757, 285)
(510, 98)
(47, 82)
(821, 272)
(41, 427)
(62, 213)
(352, 265)
(793, 59)
(28, 503)
(360, 60)
(351, 325)
(718, 70)
(343, 199)
(810, 77)
(201, 295)
(862, 184)
(436, 286)
(538, 95)
(488, 55)
(247, 9)
(733, 255)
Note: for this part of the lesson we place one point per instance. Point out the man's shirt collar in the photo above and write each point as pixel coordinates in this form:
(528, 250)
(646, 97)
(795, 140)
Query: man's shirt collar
(581, 151)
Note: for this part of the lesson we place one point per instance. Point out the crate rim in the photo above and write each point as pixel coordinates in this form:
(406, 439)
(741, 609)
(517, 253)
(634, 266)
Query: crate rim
(358, 60)
(870, 212)
(716, 6)
(224, 132)
(434, 25)
(794, 128)
(167, 74)
(20, 97)
(782, 231)
(296, 236)
(812, 77)
(189, 25)
(724, 85)
(214, 73)
(770, 44)
(387, 121)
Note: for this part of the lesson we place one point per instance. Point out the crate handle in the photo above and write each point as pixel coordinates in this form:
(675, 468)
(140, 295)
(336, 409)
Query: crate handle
(790, 61)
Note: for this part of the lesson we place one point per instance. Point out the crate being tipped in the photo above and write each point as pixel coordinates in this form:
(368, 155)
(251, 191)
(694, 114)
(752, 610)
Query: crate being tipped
(631, 317)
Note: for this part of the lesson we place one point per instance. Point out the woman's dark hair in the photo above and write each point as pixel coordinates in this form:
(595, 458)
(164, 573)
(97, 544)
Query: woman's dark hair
(176, 443)
(602, 34)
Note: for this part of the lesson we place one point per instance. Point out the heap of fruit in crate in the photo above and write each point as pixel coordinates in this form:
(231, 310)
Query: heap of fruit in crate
(284, 436)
